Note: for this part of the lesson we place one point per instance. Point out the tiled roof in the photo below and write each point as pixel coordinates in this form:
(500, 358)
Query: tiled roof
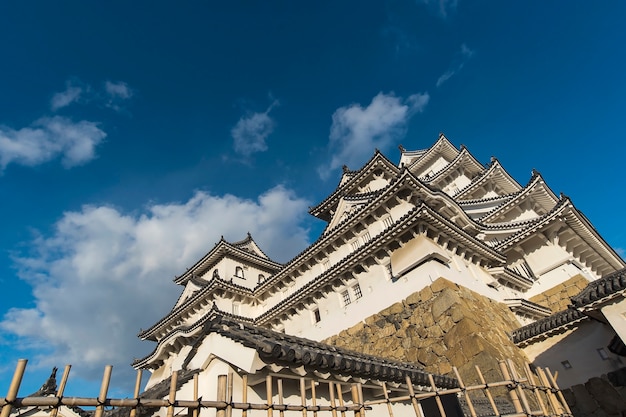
(560, 320)
(286, 350)
(607, 286)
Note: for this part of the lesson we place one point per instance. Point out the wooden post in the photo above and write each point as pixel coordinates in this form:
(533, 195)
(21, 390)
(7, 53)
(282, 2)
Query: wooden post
(66, 373)
(106, 378)
(354, 392)
(333, 405)
(268, 390)
(442, 412)
(361, 398)
(340, 397)
(313, 397)
(172, 396)
(244, 394)
(389, 408)
(229, 395)
(221, 394)
(558, 392)
(554, 404)
(279, 381)
(303, 396)
(416, 406)
(512, 392)
(486, 391)
(14, 387)
(519, 388)
(133, 411)
(465, 393)
(531, 379)
(194, 412)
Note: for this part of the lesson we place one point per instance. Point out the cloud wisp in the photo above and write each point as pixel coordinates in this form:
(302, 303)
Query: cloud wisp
(251, 131)
(102, 274)
(72, 94)
(116, 93)
(112, 95)
(49, 138)
(357, 130)
(457, 65)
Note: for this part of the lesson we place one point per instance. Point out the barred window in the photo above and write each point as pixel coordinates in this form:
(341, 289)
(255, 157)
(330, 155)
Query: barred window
(345, 295)
(356, 289)
(387, 221)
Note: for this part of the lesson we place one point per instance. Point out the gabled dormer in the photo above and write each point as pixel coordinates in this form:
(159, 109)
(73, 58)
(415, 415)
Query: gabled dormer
(457, 174)
(535, 200)
(374, 176)
(494, 182)
(436, 158)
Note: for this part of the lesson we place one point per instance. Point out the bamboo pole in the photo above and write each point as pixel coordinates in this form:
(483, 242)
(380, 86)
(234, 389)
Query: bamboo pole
(486, 391)
(534, 388)
(361, 399)
(442, 412)
(268, 390)
(519, 388)
(340, 397)
(416, 406)
(512, 392)
(389, 408)
(104, 388)
(133, 411)
(194, 411)
(281, 412)
(221, 395)
(313, 398)
(551, 397)
(14, 387)
(244, 394)
(465, 392)
(554, 385)
(66, 373)
(354, 393)
(303, 396)
(172, 396)
(229, 394)
(333, 405)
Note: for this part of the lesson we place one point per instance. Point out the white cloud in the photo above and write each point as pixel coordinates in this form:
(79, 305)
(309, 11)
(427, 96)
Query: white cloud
(457, 65)
(103, 274)
(116, 92)
(356, 130)
(71, 94)
(251, 131)
(49, 138)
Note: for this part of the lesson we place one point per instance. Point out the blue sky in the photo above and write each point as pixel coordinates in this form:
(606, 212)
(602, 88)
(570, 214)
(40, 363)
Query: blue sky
(134, 134)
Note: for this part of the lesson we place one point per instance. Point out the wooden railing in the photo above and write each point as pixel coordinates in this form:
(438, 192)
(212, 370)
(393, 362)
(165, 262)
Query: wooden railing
(533, 393)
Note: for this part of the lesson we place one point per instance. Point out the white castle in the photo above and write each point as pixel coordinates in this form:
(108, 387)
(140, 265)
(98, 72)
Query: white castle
(392, 230)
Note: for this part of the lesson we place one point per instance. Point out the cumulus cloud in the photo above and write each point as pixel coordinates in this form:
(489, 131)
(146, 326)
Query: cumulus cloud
(72, 94)
(102, 274)
(357, 130)
(49, 138)
(457, 65)
(251, 131)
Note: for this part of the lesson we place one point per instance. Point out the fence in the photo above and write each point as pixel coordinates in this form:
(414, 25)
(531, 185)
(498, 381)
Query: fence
(536, 393)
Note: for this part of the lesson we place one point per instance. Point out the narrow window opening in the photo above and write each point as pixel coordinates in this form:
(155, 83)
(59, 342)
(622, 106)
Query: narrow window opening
(345, 295)
(316, 316)
(239, 272)
(356, 289)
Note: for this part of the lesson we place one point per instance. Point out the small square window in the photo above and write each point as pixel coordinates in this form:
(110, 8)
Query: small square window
(345, 295)
(356, 289)
(316, 315)
(603, 354)
(566, 365)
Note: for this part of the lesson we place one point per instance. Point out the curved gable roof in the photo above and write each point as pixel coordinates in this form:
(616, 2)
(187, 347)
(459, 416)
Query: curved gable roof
(495, 174)
(443, 147)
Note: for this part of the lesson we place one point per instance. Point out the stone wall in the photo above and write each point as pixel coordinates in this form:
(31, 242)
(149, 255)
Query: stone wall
(441, 326)
(558, 297)
(599, 397)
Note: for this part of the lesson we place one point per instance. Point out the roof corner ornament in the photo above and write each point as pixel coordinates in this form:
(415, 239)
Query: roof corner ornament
(401, 148)
(462, 147)
(493, 159)
(535, 173)
(345, 168)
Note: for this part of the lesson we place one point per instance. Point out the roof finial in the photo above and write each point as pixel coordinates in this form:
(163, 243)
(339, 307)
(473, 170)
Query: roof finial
(401, 148)
(493, 159)
(535, 173)
(345, 168)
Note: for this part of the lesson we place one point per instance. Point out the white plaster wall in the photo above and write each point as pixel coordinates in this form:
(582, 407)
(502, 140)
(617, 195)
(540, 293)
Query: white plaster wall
(616, 315)
(579, 347)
